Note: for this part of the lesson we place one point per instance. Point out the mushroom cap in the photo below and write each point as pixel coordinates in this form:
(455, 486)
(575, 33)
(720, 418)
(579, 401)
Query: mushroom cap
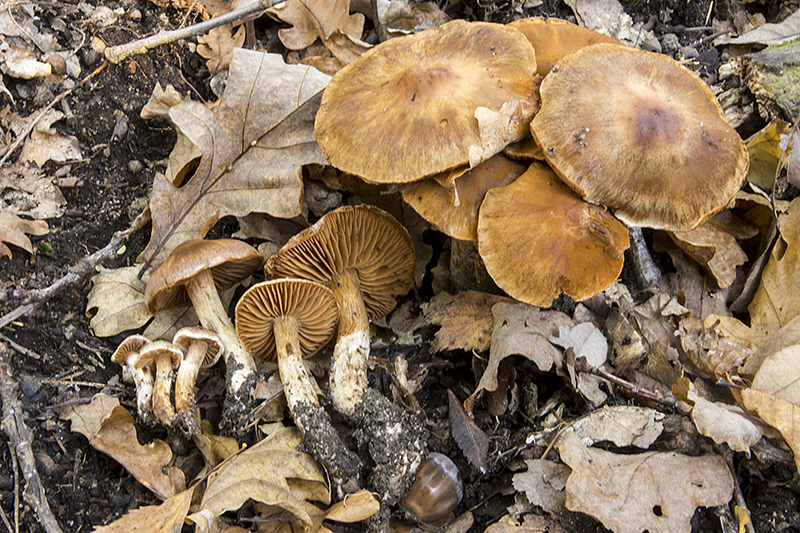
(539, 239)
(149, 353)
(132, 344)
(639, 133)
(554, 38)
(364, 238)
(435, 204)
(214, 347)
(406, 108)
(310, 304)
(230, 261)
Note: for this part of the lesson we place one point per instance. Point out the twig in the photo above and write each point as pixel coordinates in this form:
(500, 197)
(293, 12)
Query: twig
(20, 349)
(77, 273)
(22, 136)
(738, 496)
(5, 520)
(582, 366)
(119, 53)
(710, 37)
(15, 465)
(21, 437)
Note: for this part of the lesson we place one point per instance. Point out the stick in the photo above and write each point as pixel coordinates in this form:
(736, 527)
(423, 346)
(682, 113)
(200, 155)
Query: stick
(582, 366)
(117, 54)
(77, 273)
(21, 437)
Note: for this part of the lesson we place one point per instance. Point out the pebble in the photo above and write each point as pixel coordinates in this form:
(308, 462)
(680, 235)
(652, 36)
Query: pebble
(669, 43)
(686, 52)
(58, 64)
(135, 166)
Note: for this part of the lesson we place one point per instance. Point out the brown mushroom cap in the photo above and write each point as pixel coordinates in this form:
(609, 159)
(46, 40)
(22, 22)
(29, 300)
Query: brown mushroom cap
(435, 204)
(229, 260)
(539, 239)
(554, 38)
(406, 108)
(131, 345)
(310, 304)
(638, 133)
(363, 238)
(214, 347)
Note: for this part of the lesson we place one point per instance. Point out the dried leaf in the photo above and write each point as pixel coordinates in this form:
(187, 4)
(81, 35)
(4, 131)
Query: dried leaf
(710, 351)
(468, 322)
(13, 230)
(45, 143)
(109, 428)
(116, 301)
(469, 437)
(316, 19)
(724, 423)
(543, 483)
(399, 17)
(623, 425)
(765, 150)
(165, 518)
(254, 142)
(769, 34)
(497, 129)
(217, 46)
(657, 492)
(357, 507)
(30, 192)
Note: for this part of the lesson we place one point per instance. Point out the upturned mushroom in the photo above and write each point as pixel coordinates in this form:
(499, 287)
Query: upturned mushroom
(202, 348)
(166, 357)
(287, 320)
(640, 134)
(407, 108)
(142, 375)
(195, 273)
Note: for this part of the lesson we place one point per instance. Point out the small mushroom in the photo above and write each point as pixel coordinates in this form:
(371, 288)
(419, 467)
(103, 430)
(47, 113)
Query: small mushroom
(640, 134)
(166, 357)
(196, 272)
(288, 320)
(202, 348)
(142, 375)
(421, 92)
(539, 239)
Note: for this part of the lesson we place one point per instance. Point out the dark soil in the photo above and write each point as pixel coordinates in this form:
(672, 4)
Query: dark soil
(58, 361)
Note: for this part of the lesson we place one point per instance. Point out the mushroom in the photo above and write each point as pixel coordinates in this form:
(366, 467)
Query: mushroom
(202, 348)
(166, 357)
(196, 272)
(539, 239)
(640, 134)
(127, 355)
(288, 320)
(421, 92)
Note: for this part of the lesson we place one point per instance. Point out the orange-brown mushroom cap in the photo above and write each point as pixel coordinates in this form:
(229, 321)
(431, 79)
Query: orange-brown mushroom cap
(406, 108)
(639, 133)
(539, 239)
(363, 238)
(435, 204)
(230, 261)
(554, 38)
(311, 305)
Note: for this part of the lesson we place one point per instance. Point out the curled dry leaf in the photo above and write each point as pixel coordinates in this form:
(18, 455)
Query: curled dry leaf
(254, 141)
(623, 425)
(316, 19)
(35, 193)
(469, 437)
(165, 518)
(109, 428)
(13, 230)
(765, 151)
(657, 492)
(724, 423)
(468, 322)
(217, 46)
(116, 301)
(543, 483)
(709, 350)
(45, 143)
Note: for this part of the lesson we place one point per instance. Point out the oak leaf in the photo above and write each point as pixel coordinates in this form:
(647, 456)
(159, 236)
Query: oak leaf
(316, 19)
(217, 46)
(13, 230)
(468, 322)
(165, 518)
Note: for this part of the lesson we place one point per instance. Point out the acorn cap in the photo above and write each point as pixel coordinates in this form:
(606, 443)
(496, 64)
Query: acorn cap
(554, 38)
(364, 238)
(638, 133)
(230, 261)
(539, 239)
(310, 304)
(436, 205)
(214, 347)
(406, 108)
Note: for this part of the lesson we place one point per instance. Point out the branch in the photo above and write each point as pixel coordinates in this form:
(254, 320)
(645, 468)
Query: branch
(119, 53)
(581, 365)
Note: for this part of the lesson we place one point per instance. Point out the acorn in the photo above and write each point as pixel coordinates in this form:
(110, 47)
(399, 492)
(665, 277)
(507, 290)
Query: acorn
(436, 491)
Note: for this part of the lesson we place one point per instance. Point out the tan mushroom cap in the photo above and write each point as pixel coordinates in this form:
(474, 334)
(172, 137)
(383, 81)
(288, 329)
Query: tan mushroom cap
(230, 261)
(129, 347)
(554, 38)
(435, 204)
(638, 133)
(188, 335)
(364, 238)
(539, 239)
(311, 305)
(406, 108)
(150, 353)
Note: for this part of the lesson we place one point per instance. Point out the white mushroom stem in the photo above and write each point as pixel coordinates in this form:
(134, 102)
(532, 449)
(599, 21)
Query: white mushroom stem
(297, 385)
(161, 389)
(143, 378)
(348, 375)
(187, 375)
(208, 306)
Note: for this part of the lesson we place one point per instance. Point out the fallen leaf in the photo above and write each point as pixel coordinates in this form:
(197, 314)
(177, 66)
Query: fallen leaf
(254, 142)
(217, 46)
(532, 523)
(724, 423)
(607, 17)
(13, 230)
(165, 518)
(468, 322)
(30, 192)
(623, 425)
(399, 17)
(543, 483)
(469, 437)
(584, 340)
(316, 19)
(765, 346)
(497, 130)
(109, 428)
(709, 350)
(765, 151)
(45, 143)
(652, 491)
(768, 34)
(116, 301)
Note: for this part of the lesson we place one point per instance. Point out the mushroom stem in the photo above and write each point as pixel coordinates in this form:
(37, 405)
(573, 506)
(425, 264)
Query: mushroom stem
(161, 389)
(187, 375)
(144, 379)
(297, 385)
(208, 306)
(348, 375)
(647, 272)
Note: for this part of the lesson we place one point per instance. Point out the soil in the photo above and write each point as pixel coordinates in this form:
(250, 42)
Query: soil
(58, 361)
